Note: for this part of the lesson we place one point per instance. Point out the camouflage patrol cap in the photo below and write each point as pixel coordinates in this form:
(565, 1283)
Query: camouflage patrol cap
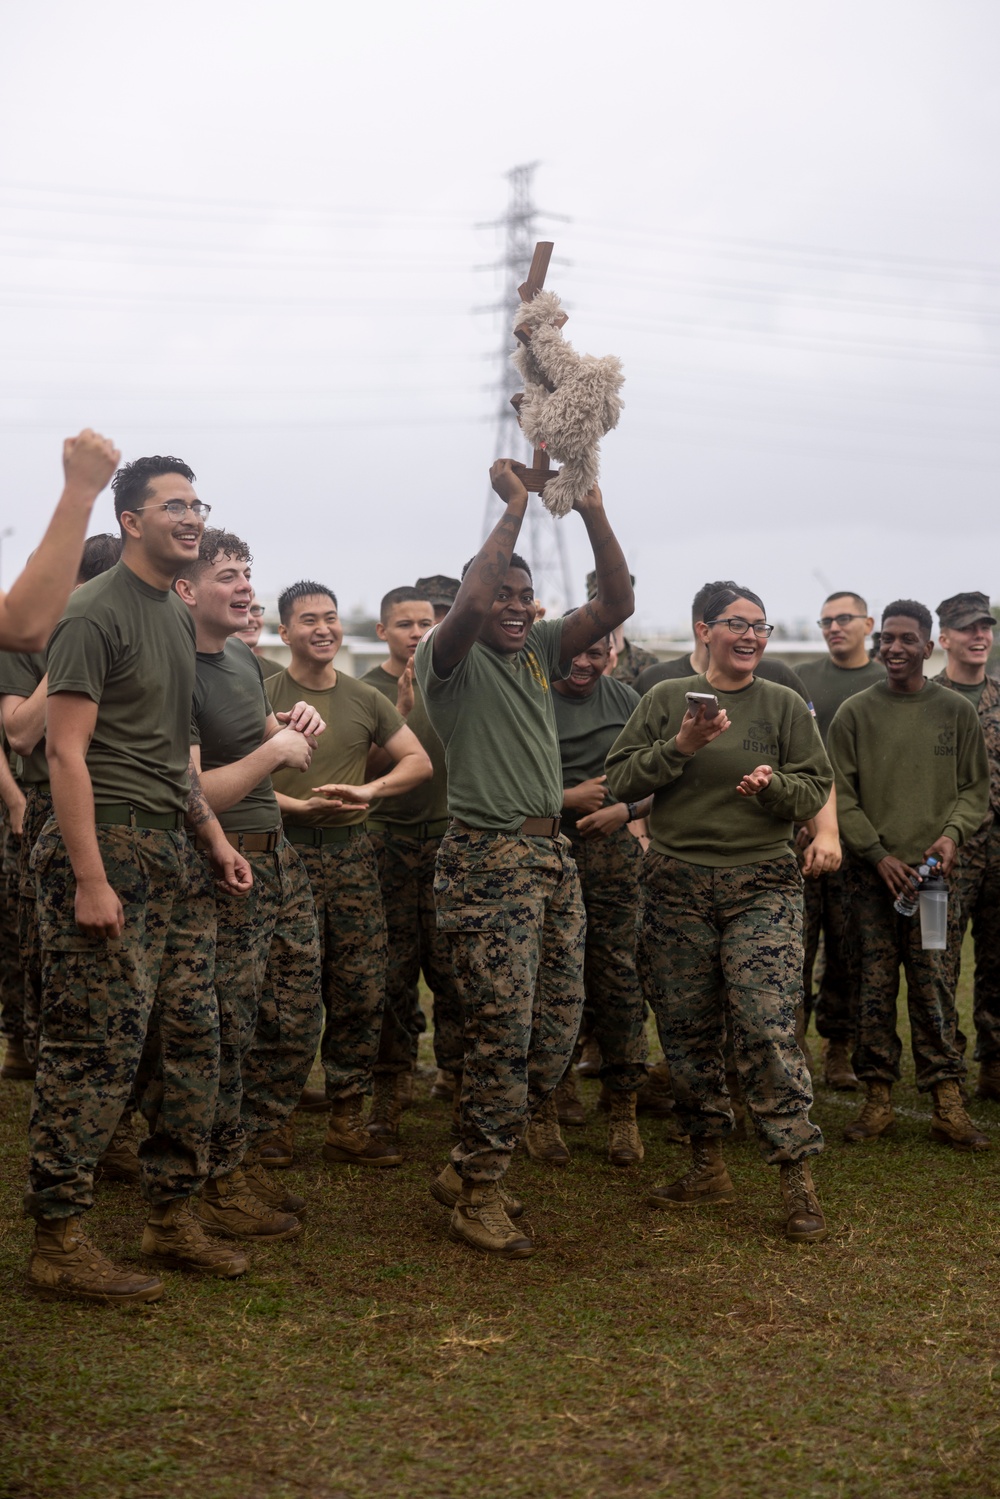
(438, 589)
(963, 610)
(592, 584)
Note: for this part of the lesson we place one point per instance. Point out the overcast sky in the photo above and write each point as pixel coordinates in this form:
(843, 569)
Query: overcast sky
(245, 233)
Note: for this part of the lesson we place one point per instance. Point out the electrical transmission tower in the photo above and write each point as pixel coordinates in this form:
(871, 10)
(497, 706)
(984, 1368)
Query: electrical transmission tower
(541, 540)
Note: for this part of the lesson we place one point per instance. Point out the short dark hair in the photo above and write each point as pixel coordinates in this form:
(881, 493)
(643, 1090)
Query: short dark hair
(100, 553)
(847, 593)
(131, 484)
(215, 542)
(910, 609)
(306, 589)
(726, 594)
(405, 595)
(515, 561)
(706, 592)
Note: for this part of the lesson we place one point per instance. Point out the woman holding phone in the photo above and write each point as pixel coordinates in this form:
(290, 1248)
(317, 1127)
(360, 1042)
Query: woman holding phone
(732, 762)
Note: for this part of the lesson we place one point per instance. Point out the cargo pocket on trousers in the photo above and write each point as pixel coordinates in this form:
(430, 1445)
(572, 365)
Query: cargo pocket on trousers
(76, 977)
(469, 919)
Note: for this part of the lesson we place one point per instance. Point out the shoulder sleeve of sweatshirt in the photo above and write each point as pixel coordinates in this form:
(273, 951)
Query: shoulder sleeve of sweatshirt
(800, 786)
(645, 756)
(973, 774)
(842, 744)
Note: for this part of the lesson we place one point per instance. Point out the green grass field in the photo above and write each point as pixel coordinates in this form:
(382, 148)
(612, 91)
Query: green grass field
(692, 1354)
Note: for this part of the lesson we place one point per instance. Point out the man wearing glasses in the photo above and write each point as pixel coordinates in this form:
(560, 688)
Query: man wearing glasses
(830, 681)
(126, 915)
(251, 635)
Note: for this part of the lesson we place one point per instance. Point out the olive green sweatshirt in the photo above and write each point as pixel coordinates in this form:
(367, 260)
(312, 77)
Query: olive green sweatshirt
(698, 815)
(910, 767)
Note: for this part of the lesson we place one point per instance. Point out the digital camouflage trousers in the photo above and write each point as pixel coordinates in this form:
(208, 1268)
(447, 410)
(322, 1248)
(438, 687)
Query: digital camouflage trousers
(884, 942)
(11, 983)
(609, 880)
(512, 911)
(267, 980)
(976, 887)
(708, 933)
(352, 941)
(98, 997)
(835, 1003)
(406, 877)
(37, 811)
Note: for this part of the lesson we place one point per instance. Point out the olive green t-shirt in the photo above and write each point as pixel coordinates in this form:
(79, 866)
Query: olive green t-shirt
(698, 815)
(129, 647)
(910, 766)
(829, 685)
(670, 671)
(495, 717)
(356, 717)
(20, 674)
(229, 721)
(588, 727)
(427, 802)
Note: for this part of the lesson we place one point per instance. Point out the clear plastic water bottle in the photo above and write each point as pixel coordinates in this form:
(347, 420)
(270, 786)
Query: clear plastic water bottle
(906, 905)
(933, 902)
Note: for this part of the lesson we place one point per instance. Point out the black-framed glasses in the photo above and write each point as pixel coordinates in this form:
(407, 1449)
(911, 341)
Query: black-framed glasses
(256, 611)
(740, 626)
(177, 509)
(840, 620)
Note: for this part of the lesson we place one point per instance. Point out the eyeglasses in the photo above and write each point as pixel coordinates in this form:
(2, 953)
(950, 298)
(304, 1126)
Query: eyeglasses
(840, 620)
(177, 509)
(256, 611)
(741, 626)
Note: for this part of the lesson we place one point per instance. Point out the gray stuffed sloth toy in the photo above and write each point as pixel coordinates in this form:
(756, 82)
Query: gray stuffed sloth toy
(569, 419)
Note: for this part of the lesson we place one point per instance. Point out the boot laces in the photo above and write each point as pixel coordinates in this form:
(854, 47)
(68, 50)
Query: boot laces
(801, 1196)
(701, 1164)
(493, 1216)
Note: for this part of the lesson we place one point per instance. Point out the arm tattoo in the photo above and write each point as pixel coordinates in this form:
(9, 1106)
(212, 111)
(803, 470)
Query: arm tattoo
(198, 812)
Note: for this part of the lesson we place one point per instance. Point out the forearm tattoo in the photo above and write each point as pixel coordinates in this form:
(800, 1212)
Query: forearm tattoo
(198, 811)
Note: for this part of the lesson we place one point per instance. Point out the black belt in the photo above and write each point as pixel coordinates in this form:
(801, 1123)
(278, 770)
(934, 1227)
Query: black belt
(255, 843)
(121, 815)
(436, 829)
(307, 837)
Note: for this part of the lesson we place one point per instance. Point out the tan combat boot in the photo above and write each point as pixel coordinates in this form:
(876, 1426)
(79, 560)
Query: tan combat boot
(479, 1219)
(706, 1181)
(16, 1066)
(276, 1151)
(625, 1147)
(228, 1206)
(804, 1221)
(590, 1062)
(569, 1105)
(387, 1105)
(65, 1263)
(876, 1117)
(542, 1139)
(988, 1085)
(837, 1070)
(656, 1096)
(268, 1190)
(443, 1085)
(447, 1188)
(174, 1237)
(120, 1161)
(950, 1124)
(348, 1140)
